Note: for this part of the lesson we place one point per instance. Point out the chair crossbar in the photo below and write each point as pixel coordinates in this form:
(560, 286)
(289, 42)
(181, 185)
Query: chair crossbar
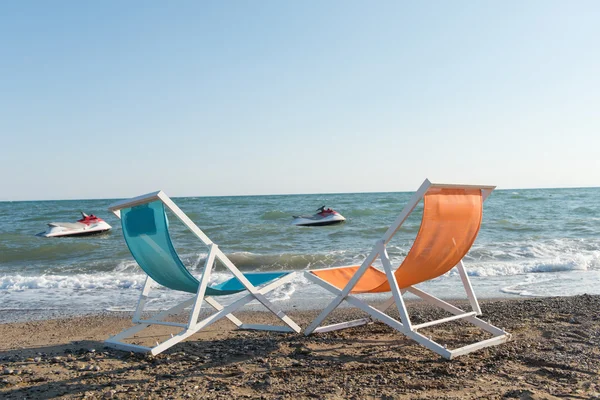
(455, 310)
(127, 347)
(441, 321)
(260, 327)
(165, 323)
(342, 325)
(479, 345)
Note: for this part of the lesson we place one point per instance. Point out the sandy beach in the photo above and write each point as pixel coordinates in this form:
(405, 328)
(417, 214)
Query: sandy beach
(554, 353)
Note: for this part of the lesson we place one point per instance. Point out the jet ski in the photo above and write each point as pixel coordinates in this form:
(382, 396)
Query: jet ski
(324, 216)
(87, 225)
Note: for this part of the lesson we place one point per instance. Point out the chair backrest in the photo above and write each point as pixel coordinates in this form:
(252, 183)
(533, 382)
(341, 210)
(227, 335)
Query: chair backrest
(450, 223)
(146, 232)
(145, 228)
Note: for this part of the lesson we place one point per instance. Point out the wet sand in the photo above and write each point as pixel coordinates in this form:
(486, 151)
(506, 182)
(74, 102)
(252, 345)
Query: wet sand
(554, 353)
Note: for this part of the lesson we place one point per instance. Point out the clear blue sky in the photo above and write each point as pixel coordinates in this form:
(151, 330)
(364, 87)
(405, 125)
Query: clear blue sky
(115, 99)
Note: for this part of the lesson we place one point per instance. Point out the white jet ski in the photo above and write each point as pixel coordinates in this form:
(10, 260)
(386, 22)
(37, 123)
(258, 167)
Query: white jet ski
(87, 225)
(325, 216)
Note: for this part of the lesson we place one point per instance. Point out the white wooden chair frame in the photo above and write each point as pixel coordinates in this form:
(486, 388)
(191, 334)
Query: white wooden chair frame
(404, 325)
(193, 325)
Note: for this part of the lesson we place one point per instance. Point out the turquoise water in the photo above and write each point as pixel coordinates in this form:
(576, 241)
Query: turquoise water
(541, 242)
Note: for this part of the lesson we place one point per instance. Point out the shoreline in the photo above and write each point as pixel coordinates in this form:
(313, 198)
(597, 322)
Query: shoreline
(51, 303)
(554, 353)
(13, 316)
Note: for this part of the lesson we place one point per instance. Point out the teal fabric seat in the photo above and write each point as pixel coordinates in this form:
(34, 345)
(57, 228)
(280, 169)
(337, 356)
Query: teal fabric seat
(145, 228)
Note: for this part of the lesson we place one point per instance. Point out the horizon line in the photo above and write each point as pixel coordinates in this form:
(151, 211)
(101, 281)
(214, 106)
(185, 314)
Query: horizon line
(287, 194)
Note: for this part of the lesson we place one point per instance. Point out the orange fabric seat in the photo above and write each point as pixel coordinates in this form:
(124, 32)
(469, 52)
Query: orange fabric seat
(339, 277)
(450, 223)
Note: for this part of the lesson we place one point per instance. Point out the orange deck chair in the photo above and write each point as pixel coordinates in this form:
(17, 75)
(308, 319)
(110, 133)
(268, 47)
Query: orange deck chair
(451, 219)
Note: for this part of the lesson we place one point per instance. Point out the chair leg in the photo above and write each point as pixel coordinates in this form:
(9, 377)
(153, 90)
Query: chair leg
(396, 292)
(116, 341)
(342, 294)
(315, 326)
(137, 315)
(202, 285)
(141, 324)
(193, 325)
(500, 336)
(468, 287)
(455, 310)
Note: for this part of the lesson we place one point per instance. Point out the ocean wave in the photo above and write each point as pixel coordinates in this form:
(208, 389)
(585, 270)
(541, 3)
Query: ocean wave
(501, 269)
(584, 210)
(501, 258)
(508, 258)
(535, 249)
(515, 258)
(80, 281)
(527, 287)
(517, 290)
(126, 266)
(60, 283)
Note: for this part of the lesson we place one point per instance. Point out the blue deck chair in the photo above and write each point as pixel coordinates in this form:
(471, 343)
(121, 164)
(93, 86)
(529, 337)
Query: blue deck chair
(145, 228)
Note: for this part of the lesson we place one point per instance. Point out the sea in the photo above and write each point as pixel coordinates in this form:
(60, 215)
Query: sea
(538, 242)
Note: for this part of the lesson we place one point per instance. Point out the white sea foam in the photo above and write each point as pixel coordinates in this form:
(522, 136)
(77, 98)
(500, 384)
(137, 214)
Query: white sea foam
(511, 268)
(126, 266)
(80, 281)
(120, 281)
(534, 257)
(503, 259)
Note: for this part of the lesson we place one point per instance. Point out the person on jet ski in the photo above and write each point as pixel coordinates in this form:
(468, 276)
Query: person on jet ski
(324, 211)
